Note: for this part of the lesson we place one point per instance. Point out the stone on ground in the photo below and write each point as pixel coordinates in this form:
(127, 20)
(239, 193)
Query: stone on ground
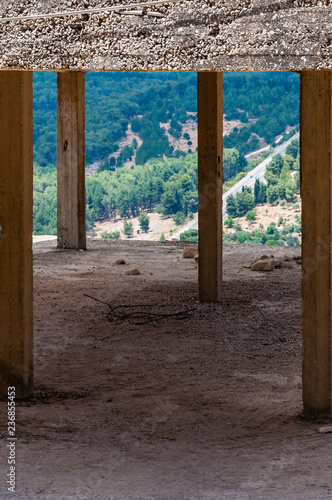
(263, 265)
(132, 272)
(189, 253)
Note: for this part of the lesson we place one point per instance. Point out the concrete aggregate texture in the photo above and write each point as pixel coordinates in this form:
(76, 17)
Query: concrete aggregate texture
(194, 35)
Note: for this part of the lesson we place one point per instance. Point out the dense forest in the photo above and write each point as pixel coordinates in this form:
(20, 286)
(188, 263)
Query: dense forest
(272, 99)
(112, 101)
(164, 179)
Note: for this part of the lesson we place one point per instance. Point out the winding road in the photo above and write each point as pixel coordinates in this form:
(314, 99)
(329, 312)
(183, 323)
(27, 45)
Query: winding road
(249, 180)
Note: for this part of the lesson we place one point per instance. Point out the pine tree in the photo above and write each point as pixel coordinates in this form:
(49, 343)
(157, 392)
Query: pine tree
(244, 201)
(276, 165)
(272, 194)
(231, 207)
(293, 148)
(257, 189)
(262, 193)
(144, 222)
(128, 228)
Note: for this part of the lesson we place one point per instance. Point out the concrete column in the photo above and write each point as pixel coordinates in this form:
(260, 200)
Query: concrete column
(210, 148)
(315, 144)
(16, 168)
(71, 160)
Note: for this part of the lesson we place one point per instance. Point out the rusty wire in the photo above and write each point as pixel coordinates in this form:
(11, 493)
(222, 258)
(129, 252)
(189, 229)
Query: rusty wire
(98, 10)
(116, 313)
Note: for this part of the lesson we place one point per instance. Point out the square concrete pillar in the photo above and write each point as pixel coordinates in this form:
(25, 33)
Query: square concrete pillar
(210, 177)
(315, 151)
(16, 173)
(71, 160)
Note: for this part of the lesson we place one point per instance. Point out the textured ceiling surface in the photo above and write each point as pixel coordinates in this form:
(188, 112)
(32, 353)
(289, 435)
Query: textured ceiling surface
(193, 35)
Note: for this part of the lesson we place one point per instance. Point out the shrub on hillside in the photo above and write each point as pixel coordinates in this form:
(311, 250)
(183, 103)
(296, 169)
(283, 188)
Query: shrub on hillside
(113, 235)
(191, 235)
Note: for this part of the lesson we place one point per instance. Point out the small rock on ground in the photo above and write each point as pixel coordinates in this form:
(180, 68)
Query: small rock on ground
(132, 272)
(263, 265)
(325, 430)
(189, 253)
(262, 257)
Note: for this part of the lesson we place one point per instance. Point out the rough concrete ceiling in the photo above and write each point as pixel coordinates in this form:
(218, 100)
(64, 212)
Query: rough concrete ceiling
(194, 35)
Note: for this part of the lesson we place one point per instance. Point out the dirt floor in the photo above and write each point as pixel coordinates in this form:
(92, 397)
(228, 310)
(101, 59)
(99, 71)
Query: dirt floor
(203, 407)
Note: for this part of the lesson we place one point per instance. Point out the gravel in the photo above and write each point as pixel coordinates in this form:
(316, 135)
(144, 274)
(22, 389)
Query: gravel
(193, 36)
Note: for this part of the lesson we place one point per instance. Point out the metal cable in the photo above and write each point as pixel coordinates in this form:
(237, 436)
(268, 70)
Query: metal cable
(114, 8)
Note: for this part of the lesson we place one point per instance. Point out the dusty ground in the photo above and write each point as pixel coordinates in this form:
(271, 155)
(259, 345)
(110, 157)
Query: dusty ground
(203, 408)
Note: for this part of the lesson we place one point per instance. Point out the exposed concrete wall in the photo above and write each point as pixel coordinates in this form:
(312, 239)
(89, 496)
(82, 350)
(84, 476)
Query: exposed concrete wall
(195, 35)
(16, 312)
(316, 164)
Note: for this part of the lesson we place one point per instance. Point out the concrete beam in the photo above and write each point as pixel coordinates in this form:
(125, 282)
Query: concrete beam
(71, 160)
(315, 144)
(16, 169)
(210, 175)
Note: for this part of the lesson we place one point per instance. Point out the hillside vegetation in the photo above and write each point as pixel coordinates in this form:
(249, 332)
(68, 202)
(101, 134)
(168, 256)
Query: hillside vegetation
(265, 103)
(281, 187)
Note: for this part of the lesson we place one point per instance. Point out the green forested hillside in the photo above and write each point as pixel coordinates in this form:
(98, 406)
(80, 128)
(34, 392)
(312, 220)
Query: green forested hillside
(44, 118)
(271, 98)
(147, 101)
(113, 99)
